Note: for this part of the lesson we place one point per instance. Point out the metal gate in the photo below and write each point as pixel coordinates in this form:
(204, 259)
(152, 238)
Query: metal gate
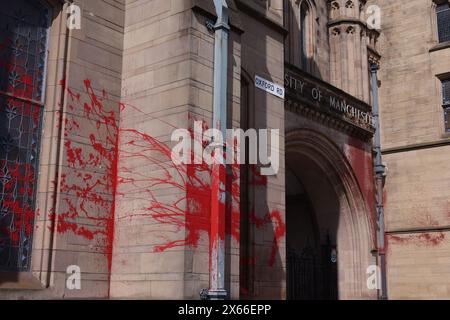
(312, 275)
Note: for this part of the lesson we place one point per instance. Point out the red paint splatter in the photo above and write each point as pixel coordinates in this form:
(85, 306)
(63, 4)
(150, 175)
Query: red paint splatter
(272, 218)
(88, 184)
(17, 178)
(191, 210)
(424, 239)
(94, 145)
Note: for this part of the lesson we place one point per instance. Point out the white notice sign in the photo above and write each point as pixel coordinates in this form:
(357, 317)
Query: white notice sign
(269, 87)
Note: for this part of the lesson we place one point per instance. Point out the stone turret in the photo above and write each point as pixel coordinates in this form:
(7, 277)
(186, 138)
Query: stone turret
(352, 46)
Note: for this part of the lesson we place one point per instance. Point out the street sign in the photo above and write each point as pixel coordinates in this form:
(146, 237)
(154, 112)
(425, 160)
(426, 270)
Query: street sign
(269, 87)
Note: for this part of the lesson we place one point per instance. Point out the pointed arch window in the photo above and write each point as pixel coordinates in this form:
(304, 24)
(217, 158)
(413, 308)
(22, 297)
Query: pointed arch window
(24, 26)
(306, 35)
(304, 12)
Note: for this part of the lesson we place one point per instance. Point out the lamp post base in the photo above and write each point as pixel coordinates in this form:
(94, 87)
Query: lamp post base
(217, 294)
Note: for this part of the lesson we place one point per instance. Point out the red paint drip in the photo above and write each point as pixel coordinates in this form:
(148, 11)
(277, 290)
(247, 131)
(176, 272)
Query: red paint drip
(89, 183)
(96, 168)
(272, 218)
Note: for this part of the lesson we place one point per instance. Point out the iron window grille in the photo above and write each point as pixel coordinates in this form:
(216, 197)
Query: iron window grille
(443, 22)
(446, 103)
(24, 26)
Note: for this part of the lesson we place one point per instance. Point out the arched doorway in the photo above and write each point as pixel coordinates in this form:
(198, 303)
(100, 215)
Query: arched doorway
(329, 238)
(311, 238)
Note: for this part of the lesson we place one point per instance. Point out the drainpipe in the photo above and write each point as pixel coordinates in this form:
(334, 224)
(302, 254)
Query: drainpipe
(380, 176)
(218, 176)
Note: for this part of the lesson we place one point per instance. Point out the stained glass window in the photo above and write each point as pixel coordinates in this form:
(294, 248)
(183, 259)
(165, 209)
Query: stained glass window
(23, 53)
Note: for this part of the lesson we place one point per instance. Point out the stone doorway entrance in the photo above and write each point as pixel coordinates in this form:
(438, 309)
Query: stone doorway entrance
(328, 236)
(311, 257)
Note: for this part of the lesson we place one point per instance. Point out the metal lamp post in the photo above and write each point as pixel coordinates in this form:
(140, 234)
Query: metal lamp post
(218, 177)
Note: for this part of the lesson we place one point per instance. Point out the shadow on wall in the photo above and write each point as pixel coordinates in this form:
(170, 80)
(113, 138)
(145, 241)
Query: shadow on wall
(312, 219)
(262, 275)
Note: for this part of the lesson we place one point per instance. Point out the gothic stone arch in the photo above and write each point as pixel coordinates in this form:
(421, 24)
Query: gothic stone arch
(354, 236)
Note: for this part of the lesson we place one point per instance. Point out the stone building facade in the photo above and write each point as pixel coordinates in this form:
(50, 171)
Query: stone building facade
(89, 186)
(415, 140)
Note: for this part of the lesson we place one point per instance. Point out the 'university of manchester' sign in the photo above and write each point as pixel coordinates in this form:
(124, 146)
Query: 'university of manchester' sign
(314, 93)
